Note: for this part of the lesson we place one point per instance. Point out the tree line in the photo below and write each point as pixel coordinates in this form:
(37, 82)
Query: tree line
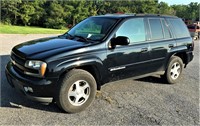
(63, 13)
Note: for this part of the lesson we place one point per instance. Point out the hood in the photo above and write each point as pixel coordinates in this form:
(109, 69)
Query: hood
(45, 45)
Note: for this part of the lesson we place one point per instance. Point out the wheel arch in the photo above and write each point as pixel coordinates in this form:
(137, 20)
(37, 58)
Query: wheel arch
(94, 67)
(183, 56)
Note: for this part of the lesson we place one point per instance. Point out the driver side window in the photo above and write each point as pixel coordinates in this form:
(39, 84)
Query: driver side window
(133, 29)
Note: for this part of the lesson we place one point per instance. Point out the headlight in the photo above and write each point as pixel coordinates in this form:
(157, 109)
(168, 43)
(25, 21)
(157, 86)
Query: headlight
(36, 65)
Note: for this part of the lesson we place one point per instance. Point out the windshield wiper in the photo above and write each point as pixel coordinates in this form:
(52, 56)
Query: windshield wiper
(81, 37)
(69, 36)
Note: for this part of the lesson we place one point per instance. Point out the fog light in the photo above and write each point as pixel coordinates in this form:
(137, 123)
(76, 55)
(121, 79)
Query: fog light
(28, 89)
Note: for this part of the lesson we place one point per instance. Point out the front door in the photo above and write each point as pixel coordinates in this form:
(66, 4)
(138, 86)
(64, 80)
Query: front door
(129, 60)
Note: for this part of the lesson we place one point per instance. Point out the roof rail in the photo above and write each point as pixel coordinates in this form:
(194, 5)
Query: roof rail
(141, 14)
(155, 15)
(130, 13)
(115, 14)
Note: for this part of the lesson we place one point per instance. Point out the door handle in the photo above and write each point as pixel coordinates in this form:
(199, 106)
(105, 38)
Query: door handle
(171, 45)
(144, 49)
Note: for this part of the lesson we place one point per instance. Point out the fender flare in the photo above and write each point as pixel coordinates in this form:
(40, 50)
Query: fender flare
(96, 63)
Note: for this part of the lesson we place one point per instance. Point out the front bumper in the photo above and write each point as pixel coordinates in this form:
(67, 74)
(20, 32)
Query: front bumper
(42, 89)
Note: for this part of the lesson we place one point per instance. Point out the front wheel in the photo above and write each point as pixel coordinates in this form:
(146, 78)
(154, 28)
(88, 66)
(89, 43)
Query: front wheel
(77, 91)
(174, 70)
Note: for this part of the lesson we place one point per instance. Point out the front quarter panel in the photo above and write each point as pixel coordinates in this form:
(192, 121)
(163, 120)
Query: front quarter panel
(92, 56)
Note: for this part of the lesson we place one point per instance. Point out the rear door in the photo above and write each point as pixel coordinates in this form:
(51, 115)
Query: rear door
(161, 42)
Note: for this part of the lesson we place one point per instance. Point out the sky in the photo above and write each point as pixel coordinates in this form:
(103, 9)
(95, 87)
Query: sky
(171, 2)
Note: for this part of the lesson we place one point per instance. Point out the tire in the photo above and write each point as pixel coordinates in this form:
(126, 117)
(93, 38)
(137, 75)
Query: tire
(76, 92)
(174, 70)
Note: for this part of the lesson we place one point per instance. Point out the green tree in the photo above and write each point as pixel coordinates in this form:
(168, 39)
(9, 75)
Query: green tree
(60, 13)
(193, 10)
(10, 11)
(55, 15)
(26, 12)
(102, 6)
(37, 18)
(147, 6)
(79, 10)
(181, 11)
(190, 11)
(163, 8)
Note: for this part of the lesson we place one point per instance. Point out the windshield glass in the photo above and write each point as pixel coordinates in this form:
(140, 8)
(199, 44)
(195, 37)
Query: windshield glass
(93, 28)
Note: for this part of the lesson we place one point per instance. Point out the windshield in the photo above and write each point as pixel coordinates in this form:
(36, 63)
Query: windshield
(93, 28)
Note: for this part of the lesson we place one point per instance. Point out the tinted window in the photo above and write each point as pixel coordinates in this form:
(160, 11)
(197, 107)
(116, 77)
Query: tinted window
(93, 28)
(166, 30)
(133, 29)
(179, 28)
(156, 29)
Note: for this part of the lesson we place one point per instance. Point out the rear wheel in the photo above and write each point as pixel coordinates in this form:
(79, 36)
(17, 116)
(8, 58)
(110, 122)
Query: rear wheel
(76, 91)
(174, 70)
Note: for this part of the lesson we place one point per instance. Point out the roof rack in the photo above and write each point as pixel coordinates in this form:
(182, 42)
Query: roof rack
(130, 14)
(141, 14)
(115, 14)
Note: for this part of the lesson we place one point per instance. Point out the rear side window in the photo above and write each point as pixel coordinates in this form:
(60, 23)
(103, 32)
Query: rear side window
(179, 28)
(156, 29)
(167, 34)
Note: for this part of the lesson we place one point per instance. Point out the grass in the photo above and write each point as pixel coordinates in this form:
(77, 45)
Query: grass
(10, 29)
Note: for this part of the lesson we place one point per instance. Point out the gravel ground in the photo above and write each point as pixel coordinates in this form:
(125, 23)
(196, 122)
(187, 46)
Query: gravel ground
(146, 101)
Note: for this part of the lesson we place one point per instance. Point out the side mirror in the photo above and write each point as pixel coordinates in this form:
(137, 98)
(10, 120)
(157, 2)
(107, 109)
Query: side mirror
(120, 40)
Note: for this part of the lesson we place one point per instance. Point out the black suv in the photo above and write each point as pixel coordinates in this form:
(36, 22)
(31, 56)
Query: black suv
(70, 68)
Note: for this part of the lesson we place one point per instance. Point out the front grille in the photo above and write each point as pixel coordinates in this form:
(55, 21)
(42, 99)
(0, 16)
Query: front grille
(17, 69)
(19, 63)
(18, 59)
